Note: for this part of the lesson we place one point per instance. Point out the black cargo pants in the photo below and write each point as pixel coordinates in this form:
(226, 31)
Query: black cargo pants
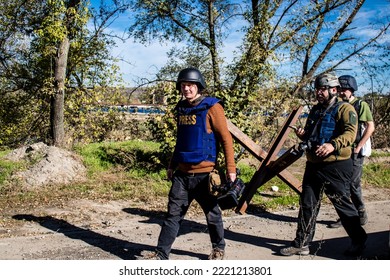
(333, 178)
(185, 188)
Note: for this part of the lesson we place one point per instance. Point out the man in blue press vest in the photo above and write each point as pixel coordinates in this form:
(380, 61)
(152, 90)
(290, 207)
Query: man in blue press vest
(201, 131)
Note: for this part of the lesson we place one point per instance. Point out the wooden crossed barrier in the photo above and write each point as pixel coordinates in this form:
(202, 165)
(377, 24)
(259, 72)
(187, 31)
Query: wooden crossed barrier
(270, 165)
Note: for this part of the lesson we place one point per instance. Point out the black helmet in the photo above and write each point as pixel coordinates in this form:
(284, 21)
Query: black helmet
(191, 75)
(326, 80)
(348, 82)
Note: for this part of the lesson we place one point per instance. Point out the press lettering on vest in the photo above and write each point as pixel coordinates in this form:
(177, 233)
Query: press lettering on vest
(187, 120)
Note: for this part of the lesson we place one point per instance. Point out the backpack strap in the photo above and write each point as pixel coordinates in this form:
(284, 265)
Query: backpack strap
(357, 105)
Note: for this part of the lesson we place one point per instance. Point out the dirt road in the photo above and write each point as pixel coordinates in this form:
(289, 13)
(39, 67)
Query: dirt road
(85, 230)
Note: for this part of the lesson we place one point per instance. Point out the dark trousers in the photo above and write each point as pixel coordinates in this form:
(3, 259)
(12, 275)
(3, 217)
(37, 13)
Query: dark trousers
(185, 188)
(356, 187)
(334, 179)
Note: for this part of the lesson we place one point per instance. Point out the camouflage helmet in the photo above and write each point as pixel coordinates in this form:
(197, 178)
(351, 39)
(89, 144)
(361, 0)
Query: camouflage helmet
(326, 80)
(348, 82)
(191, 75)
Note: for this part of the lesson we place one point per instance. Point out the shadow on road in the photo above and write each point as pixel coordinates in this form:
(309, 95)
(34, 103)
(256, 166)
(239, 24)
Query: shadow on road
(377, 243)
(332, 248)
(123, 249)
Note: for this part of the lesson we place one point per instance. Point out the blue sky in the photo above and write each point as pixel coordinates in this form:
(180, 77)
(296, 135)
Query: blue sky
(144, 61)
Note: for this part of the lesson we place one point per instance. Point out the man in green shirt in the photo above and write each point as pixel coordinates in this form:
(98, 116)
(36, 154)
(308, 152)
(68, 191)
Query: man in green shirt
(366, 127)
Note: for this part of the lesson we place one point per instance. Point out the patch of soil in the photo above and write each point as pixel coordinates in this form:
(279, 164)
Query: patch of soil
(51, 166)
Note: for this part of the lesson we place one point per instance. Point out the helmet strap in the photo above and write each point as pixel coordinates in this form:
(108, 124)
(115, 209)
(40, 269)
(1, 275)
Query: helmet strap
(330, 94)
(331, 97)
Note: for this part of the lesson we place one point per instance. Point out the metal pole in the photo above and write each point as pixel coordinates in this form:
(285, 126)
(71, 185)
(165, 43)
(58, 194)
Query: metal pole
(372, 95)
(372, 103)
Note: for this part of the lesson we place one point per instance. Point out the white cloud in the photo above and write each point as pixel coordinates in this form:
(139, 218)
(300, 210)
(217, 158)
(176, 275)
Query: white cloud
(138, 60)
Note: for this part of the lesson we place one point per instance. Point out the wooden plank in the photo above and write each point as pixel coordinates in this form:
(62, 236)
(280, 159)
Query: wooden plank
(261, 154)
(261, 175)
(278, 166)
(246, 142)
(291, 181)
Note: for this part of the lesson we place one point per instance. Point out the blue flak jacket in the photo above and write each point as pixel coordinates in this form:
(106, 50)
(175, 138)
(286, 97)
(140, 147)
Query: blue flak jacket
(194, 144)
(327, 126)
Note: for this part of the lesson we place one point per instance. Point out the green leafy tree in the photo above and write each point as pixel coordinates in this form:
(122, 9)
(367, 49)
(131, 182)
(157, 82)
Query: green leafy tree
(197, 22)
(309, 37)
(55, 69)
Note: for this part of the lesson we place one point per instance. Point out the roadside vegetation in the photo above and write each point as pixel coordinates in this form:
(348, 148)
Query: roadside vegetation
(58, 69)
(133, 171)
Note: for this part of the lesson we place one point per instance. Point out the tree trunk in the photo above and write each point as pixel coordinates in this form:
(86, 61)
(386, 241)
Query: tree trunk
(57, 100)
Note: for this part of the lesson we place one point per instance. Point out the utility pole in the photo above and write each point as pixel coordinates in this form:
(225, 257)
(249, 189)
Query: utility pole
(372, 95)
(372, 102)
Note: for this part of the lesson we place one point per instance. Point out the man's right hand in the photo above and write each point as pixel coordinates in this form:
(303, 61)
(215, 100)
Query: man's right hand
(299, 131)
